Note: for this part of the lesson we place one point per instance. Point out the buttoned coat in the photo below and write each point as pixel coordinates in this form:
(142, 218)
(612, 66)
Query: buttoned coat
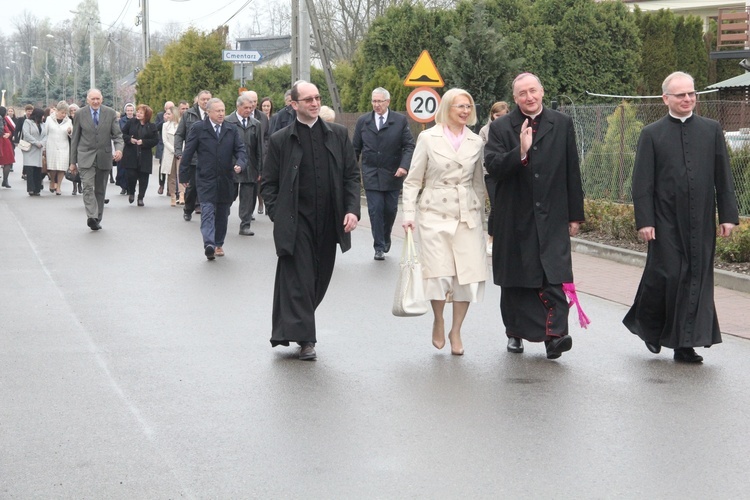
(280, 185)
(37, 138)
(214, 174)
(92, 144)
(535, 202)
(383, 151)
(252, 137)
(449, 211)
(135, 156)
(57, 145)
(168, 130)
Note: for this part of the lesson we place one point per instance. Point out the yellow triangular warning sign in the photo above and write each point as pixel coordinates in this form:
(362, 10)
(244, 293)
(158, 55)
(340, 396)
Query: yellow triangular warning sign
(424, 73)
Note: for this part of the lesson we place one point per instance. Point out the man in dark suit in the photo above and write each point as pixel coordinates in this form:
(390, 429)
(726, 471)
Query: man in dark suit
(194, 114)
(95, 131)
(531, 153)
(384, 141)
(246, 183)
(264, 126)
(221, 155)
(311, 189)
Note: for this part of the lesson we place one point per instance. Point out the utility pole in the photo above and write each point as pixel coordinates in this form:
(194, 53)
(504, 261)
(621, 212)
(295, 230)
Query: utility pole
(332, 88)
(295, 41)
(304, 41)
(92, 59)
(146, 45)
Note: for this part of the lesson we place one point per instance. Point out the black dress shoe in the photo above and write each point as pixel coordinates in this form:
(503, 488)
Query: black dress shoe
(106, 200)
(131, 198)
(210, 252)
(245, 231)
(687, 355)
(187, 216)
(307, 352)
(123, 191)
(379, 255)
(140, 202)
(557, 346)
(387, 247)
(515, 345)
(93, 224)
(655, 348)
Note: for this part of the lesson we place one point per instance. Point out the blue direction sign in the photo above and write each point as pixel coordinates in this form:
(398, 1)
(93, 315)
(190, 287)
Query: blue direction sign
(240, 56)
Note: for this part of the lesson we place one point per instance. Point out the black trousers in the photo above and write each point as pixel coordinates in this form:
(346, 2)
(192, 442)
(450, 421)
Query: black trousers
(491, 185)
(245, 191)
(140, 178)
(33, 179)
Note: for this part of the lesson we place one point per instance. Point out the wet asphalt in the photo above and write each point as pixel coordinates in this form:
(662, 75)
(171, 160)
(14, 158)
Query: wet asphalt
(131, 367)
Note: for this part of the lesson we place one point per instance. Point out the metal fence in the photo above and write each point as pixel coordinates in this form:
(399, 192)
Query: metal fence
(607, 137)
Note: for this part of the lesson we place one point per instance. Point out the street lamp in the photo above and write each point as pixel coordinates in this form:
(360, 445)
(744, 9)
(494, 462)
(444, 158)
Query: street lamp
(46, 72)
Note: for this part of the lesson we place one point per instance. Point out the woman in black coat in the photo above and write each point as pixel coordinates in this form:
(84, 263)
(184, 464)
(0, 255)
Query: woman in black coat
(140, 138)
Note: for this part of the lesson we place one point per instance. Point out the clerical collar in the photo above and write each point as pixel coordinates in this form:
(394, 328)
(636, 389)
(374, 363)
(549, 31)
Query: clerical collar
(683, 119)
(532, 118)
(310, 125)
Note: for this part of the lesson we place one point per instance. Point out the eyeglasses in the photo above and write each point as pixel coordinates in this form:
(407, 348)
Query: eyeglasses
(463, 107)
(379, 102)
(309, 100)
(682, 95)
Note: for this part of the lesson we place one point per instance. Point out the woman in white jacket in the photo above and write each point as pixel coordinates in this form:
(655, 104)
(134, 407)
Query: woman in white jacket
(59, 128)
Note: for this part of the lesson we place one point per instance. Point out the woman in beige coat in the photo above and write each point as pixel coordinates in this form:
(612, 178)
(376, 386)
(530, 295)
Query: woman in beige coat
(448, 213)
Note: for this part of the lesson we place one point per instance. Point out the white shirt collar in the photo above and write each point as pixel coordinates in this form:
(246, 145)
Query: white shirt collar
(681, 118)
(213, 125)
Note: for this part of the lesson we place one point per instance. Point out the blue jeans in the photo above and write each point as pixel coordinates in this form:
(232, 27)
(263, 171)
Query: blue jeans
(383, 208)
(214, 219)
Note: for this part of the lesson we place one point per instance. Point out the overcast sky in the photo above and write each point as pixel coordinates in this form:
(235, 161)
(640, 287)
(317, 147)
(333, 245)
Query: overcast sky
(203, 14)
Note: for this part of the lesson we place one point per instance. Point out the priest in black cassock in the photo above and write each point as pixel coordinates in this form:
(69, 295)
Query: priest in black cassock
(531, 153)
(681, 175)
(311, 189)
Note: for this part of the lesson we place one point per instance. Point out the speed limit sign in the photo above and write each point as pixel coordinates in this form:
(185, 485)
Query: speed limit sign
(422, 104)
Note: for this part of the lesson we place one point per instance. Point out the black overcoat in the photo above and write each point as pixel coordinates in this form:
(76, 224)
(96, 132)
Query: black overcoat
(252, 136)
(141, 156)
(214, 174)
(534, 203)
(383, 151)
(681, 173)
(280, 184)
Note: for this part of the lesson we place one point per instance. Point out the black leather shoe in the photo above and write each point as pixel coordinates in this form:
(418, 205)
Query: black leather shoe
(687, 355)
(123, 191)
(557, 346)
(387, 247)
(131, 198)
(245, 231)
(379, 255)
(106, 200)
(187, 216)
(93, 224)
(140, 202)
(515, 345)
(307, 352)
(655, 348)
(210, 252)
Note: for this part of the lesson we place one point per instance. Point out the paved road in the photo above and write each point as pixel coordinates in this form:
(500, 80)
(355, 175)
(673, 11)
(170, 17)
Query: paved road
(130, 367)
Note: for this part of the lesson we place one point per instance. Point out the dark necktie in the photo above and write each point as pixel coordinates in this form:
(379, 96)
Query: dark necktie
(96, 117)
(244, 123)
(217, 130)
(380, 124)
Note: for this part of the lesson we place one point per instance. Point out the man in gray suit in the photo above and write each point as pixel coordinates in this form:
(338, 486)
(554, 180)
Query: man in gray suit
(95, 133)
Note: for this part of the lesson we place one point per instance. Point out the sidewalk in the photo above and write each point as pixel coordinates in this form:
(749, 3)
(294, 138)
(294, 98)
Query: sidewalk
(618, 282)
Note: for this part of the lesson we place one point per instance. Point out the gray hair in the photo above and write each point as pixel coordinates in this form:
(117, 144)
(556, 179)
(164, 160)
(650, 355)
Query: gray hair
(524, 75)
(243, 98)
(327, 114)
(211, 102)
(672, 76)
(62, 106)
(381, 90)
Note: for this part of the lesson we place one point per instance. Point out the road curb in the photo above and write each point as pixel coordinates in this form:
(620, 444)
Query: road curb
(722, 278)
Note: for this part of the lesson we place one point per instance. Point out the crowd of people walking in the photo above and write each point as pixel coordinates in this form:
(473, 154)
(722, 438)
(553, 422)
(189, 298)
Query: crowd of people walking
(300, 167)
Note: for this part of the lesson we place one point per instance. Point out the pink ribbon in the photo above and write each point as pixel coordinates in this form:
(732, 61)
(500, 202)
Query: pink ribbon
(570, 291)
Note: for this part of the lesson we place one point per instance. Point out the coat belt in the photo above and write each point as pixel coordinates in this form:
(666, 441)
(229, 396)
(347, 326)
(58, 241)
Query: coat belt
(463, 202)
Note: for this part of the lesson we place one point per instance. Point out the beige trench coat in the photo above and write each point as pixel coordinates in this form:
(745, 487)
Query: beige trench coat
(449, 211)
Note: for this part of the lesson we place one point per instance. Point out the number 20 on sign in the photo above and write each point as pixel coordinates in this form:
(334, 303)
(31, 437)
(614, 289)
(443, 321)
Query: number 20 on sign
(422, 104)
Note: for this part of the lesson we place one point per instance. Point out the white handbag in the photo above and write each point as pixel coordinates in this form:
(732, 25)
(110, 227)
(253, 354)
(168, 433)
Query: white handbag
(24, 145)
(409, 298)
